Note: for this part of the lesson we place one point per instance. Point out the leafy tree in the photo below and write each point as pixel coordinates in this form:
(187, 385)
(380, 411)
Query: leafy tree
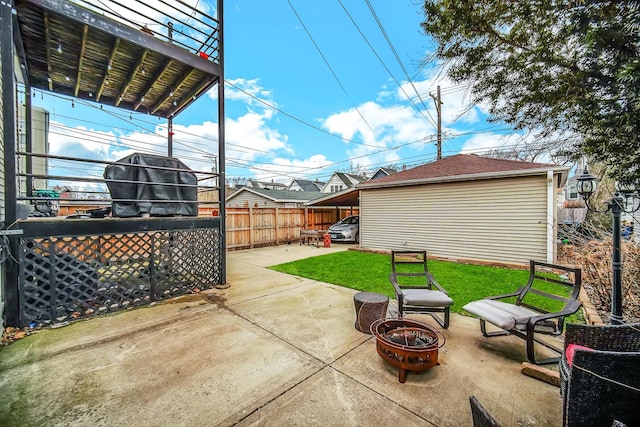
(564, 69)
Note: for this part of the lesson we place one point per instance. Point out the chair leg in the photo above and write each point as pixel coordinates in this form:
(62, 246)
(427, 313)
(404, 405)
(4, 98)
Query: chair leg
(447, 313)
(483, 329)
(531, 354)
(444, 321)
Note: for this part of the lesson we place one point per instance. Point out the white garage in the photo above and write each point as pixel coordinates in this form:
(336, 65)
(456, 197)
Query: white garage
(465, 207)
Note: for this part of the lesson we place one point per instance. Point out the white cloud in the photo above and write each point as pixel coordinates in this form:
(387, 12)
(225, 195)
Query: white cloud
(393, 122)
(455, 99)
(246, 91)
(79, 141)
(390, 127)
(284, 170)
(481, 143)
(249, 136)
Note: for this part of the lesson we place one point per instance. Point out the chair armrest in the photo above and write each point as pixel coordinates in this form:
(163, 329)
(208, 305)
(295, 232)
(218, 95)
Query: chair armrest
(433, 281)
(511, 295)
(394, 281)
(571, 308)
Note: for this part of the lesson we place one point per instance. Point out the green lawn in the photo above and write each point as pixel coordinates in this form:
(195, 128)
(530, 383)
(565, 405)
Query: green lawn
(370, 272)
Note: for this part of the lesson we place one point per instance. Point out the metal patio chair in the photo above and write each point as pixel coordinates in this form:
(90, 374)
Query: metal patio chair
(521, 314)
(416, 289)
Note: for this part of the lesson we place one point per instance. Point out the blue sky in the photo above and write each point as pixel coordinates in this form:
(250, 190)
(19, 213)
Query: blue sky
(348, 97)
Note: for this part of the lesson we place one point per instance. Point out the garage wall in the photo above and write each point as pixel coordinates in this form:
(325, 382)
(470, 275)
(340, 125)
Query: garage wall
(495, 220)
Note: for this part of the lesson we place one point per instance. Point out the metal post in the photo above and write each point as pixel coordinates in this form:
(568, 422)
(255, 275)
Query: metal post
(170, 137)
(28, 126)
(616, 205)
(221, 148)
(12, 310)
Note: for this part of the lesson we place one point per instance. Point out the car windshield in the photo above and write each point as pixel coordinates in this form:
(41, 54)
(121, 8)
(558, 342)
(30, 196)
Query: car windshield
(349, 220)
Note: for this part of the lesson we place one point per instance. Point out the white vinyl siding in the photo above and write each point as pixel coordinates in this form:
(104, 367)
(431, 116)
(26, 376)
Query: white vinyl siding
(294, 187)
(495, 220)
(334, 183)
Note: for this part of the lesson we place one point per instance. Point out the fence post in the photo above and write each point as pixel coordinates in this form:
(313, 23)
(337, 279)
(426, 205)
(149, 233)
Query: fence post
(277, 228)
(305, 220)
(250, 227)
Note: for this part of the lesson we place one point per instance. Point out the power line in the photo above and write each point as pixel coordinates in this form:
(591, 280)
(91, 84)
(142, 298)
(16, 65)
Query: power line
(298, 119)
(383, 64)
(329, 65)
(395, 53)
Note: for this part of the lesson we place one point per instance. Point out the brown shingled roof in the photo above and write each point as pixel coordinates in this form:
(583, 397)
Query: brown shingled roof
(459, 165)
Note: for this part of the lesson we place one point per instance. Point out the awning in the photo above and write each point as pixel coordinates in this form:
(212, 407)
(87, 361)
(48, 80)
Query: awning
(349, 197)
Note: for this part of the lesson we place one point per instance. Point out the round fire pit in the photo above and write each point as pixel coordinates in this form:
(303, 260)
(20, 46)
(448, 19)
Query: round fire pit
(408, 345)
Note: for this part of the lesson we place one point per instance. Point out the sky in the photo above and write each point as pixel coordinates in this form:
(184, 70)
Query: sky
(311, 88)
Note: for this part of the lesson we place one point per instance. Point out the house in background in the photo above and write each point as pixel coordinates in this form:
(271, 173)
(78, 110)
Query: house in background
(39, 145)
(571, 208)
(252, 183)
(305, 185)
(466, 207)
(341, 181)
(262, 198)
(381, 172)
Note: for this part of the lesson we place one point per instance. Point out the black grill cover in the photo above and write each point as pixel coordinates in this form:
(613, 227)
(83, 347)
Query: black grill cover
(139, 180)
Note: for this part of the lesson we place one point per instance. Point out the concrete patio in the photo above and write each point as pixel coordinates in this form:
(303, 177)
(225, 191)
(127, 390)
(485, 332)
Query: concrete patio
(272, 349)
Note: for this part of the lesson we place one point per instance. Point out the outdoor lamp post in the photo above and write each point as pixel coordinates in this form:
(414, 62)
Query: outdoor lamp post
(586, 186)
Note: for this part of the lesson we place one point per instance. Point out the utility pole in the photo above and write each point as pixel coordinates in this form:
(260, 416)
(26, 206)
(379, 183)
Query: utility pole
(438, 101)
(214, 168)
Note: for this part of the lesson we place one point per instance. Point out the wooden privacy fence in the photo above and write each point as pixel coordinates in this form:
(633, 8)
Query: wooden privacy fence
(253, 227)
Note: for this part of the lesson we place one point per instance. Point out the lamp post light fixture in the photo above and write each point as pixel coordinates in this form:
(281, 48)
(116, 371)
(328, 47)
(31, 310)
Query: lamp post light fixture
(586, 186)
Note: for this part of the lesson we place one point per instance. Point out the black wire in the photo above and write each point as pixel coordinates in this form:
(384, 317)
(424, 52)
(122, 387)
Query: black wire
(329, 65)
(385, 66)
(395, 53)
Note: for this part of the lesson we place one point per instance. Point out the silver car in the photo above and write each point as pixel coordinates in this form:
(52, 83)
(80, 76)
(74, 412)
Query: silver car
(345, 230)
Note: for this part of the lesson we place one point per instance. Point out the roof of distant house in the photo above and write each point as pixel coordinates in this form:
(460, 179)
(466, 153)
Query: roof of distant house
(462, 167)
(345, 178)
(308, 185)
(261, 184)
(385, 172)
(388, 171)
(280, 195)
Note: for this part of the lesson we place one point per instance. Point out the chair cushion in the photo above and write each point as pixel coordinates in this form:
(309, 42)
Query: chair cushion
(426, 298)
(501, 314)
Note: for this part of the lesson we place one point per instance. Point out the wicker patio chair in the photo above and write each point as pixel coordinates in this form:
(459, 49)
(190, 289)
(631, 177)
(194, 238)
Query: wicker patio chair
(602, 383)
(480, 416)
(427, 296)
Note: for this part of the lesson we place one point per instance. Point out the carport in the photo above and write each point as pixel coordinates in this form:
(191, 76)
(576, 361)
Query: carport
(346, 198)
